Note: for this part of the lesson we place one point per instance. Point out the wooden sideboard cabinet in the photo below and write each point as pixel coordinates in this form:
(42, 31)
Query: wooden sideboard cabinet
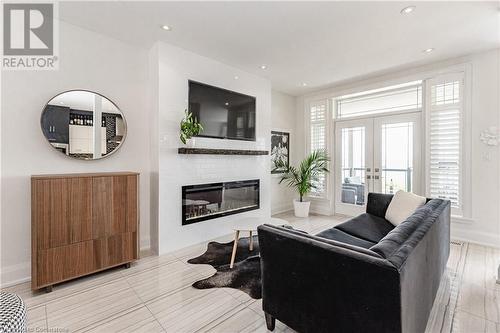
(81, 224)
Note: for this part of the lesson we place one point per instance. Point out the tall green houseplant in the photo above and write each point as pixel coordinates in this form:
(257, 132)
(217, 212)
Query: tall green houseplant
(306, 176)
(189, 127)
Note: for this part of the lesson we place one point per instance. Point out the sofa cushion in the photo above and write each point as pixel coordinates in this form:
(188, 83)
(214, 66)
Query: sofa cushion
(329, 241)
(367, 226)
(402, 205)
(340, 236)
(378, 203)
(400, 234)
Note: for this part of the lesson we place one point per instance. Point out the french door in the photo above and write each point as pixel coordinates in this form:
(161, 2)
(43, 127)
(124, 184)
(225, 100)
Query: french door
(377, 154)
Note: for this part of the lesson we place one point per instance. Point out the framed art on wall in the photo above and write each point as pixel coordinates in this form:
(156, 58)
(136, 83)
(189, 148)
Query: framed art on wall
(280, 151)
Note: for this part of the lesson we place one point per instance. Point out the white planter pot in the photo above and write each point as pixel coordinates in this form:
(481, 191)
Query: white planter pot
(190, 143)
(301, 208)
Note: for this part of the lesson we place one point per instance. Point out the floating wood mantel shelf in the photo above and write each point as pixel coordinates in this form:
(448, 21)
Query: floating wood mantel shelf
(210, 151)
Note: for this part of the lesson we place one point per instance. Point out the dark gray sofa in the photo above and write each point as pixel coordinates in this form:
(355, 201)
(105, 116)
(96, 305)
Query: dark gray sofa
(363, 275)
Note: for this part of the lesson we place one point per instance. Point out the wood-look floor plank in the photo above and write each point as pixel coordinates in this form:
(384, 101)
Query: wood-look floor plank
(190, 309)
(37, 319)
(163, 280)
(138, 320)
(84, 309)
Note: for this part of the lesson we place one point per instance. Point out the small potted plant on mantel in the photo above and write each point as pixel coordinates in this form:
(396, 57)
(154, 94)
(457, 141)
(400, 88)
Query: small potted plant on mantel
(190, 127)
(304, 178)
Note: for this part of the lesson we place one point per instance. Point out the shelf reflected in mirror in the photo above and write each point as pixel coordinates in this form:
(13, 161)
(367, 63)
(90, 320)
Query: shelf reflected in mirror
(83, 124)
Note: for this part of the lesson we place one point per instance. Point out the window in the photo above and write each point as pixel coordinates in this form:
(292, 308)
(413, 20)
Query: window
(402, 97)
(317, 141)
(444, 139)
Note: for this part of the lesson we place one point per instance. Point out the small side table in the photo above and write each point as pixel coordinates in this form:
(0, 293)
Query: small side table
(250, 224)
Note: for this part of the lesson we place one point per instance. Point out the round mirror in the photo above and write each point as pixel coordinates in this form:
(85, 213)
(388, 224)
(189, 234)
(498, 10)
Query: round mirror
(83, 124)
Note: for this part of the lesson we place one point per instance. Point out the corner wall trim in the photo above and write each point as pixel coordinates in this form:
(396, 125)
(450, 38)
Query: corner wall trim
(15, 274)
(481, 238)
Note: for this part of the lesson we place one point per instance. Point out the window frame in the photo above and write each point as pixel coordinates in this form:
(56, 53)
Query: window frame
(389, 80)
(373, 92)
(463, 212)
(325, 196)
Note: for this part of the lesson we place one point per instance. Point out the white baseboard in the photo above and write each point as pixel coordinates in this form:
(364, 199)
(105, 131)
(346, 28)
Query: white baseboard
(476, 237)
(282, 208)
(145, 244)
(15, 274)
(321, 210)
(321, 206)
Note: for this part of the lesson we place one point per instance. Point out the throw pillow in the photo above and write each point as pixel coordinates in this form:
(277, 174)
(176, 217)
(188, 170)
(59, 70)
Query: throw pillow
(402, 205)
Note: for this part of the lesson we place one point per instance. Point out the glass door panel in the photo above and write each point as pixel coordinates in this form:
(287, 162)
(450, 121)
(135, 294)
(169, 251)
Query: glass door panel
(353, 165)
(397, 154)
(351, 171)
(397, 157)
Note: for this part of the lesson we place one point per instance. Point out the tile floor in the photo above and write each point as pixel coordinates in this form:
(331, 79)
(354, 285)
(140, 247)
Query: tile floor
(155, 295)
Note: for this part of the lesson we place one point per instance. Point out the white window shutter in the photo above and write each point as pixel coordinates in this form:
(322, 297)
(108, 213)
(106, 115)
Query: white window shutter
(445, 110)
(318, 120)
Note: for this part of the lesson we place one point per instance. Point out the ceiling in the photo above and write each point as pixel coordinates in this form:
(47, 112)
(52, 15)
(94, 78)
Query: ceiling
(317, 43)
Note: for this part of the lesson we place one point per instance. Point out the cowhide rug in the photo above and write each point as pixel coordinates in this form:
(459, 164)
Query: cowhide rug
(245, 275)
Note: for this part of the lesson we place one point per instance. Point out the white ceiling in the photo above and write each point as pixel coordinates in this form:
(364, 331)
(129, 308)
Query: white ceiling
(320, 43)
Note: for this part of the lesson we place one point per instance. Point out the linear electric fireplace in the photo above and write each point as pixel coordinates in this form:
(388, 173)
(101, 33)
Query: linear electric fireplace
(209, 201)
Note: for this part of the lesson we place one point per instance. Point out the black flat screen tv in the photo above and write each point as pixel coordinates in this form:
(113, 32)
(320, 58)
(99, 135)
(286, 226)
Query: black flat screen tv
(224, 114)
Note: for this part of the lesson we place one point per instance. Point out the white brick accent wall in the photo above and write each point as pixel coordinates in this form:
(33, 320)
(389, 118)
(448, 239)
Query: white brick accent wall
(175, 68)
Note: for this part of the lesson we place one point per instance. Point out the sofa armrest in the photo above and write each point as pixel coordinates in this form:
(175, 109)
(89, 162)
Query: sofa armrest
(315, 286)
(378, 203)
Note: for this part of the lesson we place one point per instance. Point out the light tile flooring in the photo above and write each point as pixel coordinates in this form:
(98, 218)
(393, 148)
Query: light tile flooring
(155, 295)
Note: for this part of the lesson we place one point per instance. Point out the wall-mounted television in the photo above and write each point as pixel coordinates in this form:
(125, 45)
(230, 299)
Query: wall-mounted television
(224, 114)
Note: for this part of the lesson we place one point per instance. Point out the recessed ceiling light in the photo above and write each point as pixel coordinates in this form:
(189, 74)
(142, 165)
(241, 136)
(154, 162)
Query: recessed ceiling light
(429, 50)
(166, 27)
(263, 66)
(236, 77)
(304, 84)
(407, 10)
(226, 104)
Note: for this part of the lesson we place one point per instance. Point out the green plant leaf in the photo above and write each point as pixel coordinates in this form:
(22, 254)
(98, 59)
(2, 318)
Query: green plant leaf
(189, 127)
(303, 178)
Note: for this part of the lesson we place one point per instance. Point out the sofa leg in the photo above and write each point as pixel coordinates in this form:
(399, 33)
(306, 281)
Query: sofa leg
(270, 321)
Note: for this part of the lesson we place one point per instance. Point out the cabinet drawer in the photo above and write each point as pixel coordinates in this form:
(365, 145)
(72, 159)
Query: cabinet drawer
(64, 262)
(62, 211)
(116, 249)
(114, 206)
(52, 208)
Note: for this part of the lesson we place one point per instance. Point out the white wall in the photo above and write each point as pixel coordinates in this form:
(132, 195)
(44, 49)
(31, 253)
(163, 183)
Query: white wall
(485, 161)
(484, 225)
(175, 67)
(88, 61)
(283, 119)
